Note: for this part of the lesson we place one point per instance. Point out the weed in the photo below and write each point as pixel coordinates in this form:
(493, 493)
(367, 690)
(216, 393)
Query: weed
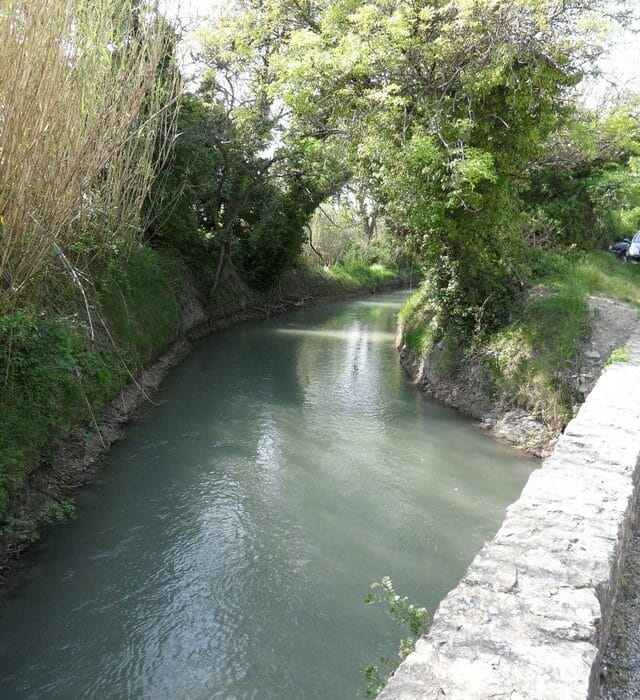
(405, 614)
(25, 529)
(358, 274)
(617, 355)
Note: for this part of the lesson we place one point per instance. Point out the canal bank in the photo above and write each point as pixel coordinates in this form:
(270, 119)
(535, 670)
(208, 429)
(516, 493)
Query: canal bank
(532, 615)
(470, 383)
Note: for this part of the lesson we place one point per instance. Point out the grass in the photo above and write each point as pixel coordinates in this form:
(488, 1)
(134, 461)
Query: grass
(536, 352)
(617, 355)
(138, 298)
(590, 273)
(415, 319)
(533, 354)
(359, 274)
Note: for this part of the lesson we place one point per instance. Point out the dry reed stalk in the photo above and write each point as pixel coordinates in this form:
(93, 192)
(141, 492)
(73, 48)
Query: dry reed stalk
(87, 107)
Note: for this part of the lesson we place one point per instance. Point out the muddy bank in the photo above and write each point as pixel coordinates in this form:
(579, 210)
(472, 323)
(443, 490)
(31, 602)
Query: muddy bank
(76, 458)
(468, 389)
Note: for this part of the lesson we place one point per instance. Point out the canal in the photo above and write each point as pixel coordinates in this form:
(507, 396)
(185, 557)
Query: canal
(227, 544)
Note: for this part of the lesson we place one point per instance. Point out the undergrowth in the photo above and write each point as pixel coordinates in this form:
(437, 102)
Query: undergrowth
(360, 274)
(54, 377)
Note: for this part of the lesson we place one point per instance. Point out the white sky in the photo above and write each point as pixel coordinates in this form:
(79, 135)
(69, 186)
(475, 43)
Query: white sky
(621, 68)
(191, 12)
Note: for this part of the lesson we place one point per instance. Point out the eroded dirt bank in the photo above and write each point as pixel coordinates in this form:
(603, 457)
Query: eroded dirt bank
(611, 326)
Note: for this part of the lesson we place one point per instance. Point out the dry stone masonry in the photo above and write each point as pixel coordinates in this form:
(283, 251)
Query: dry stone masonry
(531, 616)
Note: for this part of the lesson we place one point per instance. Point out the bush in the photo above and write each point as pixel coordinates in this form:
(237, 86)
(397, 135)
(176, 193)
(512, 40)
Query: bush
(272, 239)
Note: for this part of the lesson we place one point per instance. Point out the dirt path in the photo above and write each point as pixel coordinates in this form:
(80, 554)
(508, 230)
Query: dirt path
(611, 326)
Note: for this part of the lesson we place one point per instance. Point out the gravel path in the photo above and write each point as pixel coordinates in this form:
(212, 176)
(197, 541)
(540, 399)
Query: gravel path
(611, 326)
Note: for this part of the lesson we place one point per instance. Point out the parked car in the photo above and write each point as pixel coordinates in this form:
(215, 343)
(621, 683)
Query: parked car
(633, 251)
(619, 249)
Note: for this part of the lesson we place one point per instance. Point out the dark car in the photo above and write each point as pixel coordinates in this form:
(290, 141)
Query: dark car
(619, 249)
(633, 251)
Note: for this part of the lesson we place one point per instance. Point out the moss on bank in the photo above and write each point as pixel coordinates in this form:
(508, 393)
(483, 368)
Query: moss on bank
(54, 377)
(530, 362)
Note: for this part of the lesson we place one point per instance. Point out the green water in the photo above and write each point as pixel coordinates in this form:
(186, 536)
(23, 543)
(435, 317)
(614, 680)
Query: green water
(226, 547)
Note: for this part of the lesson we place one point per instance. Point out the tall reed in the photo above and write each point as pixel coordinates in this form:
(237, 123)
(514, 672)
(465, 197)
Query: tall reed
(87, 105)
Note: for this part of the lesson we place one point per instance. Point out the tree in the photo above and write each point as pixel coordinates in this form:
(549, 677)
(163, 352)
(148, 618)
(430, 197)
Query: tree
(234, 186)
(585, 189)
(218, 200)
(435, 110)
(441, 107)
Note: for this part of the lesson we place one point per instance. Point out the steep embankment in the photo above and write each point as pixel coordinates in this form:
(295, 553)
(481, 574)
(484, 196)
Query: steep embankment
(529, 421)
(71, 382)
(526, 380)
(531, 616)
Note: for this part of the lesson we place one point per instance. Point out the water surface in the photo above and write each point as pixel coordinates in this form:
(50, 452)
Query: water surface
(227, 545)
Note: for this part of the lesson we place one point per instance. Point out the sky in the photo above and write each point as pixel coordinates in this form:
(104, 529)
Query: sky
(191, 11)
(620, 70)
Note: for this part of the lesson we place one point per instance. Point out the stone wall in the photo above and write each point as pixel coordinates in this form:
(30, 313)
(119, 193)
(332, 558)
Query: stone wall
(531, 616)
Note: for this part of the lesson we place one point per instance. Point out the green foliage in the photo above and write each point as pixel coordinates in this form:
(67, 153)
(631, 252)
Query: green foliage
(444, 149)
(433, 113)
(216, 194)
(53, 378)
(184, 185)
(25, 529)
(271, 240)
(350, 227)
(137, 294)
(360, 275)
(617, 355)
(405, 614)
(588, 193)
(588, 206)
